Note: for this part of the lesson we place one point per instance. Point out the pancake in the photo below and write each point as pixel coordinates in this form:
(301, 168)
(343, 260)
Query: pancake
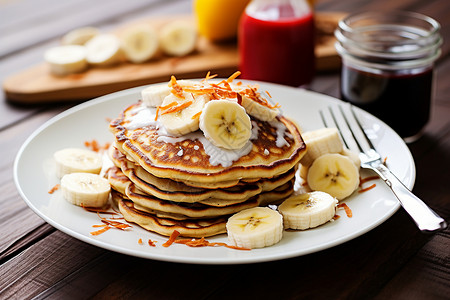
(191, 210)
(237, 193)
(165, 223)
(196, 228)
(168, 189)
(199, 210)
(118, 181)
(276, 148)
(117, 156)
(123, 185)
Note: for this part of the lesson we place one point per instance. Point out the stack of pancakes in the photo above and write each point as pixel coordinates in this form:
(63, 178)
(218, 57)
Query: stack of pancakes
(164, 183)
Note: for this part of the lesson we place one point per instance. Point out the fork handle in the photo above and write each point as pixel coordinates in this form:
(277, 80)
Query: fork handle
(425, 218)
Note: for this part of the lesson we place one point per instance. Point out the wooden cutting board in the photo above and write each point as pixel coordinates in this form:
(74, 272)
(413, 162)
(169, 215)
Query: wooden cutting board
(38, 85)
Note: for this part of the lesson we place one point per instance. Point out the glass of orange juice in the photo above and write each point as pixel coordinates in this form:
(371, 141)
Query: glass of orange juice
(217, 20)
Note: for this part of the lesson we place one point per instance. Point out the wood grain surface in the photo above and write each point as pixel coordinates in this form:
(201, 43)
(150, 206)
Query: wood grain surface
(392, 261)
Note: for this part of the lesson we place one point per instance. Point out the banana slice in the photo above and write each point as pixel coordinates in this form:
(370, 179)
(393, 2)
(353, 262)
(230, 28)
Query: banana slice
(72, 160)
(185, 120)
(225, 124)
(259, 110)
(67, 59)
(79, 36)
(255, 228)
(255, 104)
(354, 157)
(85, 189)
(140, 43)
(307, 210)
(154, 95)
(303, 171)
(104, 50)
(320, 142)
(178, 38)
(334, 174)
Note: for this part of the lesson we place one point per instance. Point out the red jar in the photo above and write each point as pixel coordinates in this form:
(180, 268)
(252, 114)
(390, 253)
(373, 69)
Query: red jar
(276, 42)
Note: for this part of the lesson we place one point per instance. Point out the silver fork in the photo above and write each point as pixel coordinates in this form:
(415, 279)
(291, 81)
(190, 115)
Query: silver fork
(424, 217)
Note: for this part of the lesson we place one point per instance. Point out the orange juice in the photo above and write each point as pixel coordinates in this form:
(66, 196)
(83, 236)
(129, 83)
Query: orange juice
(218, 20)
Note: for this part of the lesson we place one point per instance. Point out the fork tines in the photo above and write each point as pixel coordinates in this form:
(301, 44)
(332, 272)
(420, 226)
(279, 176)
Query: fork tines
(350, 128)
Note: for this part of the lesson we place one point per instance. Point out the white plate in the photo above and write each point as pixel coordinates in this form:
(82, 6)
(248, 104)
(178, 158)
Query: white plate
(88, 121)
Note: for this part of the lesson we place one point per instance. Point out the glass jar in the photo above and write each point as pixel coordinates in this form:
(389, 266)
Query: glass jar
(387, 66)
(276, 42)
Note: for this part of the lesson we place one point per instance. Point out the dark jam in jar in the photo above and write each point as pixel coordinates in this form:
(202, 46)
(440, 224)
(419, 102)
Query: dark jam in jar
(387, 66)
(400, 100)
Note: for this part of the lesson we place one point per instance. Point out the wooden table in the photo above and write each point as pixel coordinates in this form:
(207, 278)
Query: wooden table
(393, 261)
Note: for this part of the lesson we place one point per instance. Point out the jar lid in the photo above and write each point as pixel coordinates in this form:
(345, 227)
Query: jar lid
(390, 39)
